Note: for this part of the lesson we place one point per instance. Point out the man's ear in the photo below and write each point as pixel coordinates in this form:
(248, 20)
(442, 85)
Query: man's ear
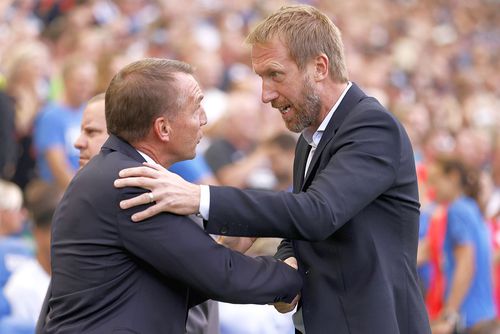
(162, 129)
(321, 66)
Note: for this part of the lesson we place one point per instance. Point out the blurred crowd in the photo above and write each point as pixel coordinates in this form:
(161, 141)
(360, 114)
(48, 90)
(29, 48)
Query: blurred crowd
(433, 63)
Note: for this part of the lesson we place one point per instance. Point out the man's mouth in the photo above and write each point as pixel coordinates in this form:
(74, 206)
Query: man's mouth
(285, 109)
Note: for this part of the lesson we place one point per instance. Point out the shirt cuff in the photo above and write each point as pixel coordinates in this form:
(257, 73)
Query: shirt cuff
(204, 201)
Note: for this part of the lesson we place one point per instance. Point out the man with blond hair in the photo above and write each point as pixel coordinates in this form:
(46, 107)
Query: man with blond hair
(352, 220)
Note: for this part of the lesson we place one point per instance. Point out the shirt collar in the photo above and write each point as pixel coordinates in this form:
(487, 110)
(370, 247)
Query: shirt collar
(146, 157)
(313, 139)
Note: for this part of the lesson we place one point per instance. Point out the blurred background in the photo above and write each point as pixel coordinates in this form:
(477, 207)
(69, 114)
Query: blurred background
(433, 63)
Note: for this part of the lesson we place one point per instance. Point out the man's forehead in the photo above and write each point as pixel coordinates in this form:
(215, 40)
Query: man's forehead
(94, 110)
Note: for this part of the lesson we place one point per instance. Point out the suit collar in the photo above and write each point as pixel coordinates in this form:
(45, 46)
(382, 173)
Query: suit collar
(350, 100)
(115, 143)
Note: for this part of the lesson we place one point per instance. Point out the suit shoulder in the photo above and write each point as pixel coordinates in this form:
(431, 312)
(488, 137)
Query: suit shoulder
(370, 111)
(105, 165)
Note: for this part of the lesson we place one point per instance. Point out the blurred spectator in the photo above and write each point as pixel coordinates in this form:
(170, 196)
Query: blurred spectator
(58, 125)
(256, 319)
(27, 67)
(8, 149)
(467, 252)
(14, 250)
(25, 290)
(280, 151)
(233, 156)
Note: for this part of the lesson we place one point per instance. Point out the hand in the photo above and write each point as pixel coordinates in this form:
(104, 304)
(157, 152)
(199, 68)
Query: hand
(240, 244)
(292, 262)
(287, 307)
(446, 323)
(171, 193)
(442, 327)
(283, 307)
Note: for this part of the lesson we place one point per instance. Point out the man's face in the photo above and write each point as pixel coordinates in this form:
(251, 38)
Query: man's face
(93, 132)
(80, 84)
(186, 126)
(285, 86)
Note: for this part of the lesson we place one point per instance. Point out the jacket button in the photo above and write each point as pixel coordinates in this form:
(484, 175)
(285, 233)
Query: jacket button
(307, 272)
(223, 230)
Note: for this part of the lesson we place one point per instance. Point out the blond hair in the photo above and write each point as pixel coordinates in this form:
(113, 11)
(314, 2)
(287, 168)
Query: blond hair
(307, 33)
(12, 197)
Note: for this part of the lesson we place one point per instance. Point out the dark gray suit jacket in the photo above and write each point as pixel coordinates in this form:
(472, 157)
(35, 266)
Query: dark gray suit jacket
(354, 220)
(110, 275)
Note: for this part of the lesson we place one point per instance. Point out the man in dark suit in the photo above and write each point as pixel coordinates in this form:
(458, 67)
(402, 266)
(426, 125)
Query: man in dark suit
(111, 275)
(202, 318)
(352, 219)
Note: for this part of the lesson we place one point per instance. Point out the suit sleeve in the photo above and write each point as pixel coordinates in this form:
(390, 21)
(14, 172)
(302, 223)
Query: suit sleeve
(178, 248)
(363, 166)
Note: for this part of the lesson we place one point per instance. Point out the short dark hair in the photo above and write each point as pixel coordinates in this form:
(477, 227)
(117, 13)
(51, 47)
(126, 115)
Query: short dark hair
(285, 141)
(41, 201)
(140, 92)
(469, 177)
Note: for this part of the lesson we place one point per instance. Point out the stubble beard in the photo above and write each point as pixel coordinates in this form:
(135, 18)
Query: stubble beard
(306, 113)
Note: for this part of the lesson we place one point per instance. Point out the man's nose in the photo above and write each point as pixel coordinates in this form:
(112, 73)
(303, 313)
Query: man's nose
(268, 92)
(203, 117)
(79, 142)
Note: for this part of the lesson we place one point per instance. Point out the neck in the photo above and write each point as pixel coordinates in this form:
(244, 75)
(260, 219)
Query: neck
(329, 93)
(44, 261)
(153, 153)
(70, 103)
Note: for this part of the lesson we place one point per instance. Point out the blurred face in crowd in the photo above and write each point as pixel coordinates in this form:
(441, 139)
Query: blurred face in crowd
(12, 213)
(444, 185)
(11, 220)
(80, 83)
(280, 163)
(185, 126)
(93, 131)
(285, 86)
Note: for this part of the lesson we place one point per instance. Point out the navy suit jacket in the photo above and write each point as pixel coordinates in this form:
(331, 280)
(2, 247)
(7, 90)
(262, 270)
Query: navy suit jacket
(353, 219)
(110, 275)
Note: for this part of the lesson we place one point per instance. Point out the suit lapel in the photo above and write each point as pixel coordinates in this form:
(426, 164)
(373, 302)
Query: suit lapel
(351, 99)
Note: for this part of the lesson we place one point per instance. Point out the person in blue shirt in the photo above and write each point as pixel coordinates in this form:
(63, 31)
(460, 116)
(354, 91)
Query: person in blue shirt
(14, 250)
(467, 252)
(58, 124)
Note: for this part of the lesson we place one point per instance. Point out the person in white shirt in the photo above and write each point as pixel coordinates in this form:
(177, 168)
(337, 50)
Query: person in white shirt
(25, 290)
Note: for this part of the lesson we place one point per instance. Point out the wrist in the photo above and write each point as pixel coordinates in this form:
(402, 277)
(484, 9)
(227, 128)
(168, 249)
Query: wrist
(451, 316)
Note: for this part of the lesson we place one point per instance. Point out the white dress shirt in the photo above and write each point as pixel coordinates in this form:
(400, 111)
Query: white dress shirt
(312, 139)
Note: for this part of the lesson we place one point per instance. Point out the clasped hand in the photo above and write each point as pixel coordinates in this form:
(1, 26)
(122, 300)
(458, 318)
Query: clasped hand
(283, 307)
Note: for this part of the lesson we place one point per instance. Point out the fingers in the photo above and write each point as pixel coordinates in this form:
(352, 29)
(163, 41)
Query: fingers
(148, 213)
(282, 307)
(147, 170)
(134, 201)
(156, 166)
(240, 244)
(285, 307)
(141, 182)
